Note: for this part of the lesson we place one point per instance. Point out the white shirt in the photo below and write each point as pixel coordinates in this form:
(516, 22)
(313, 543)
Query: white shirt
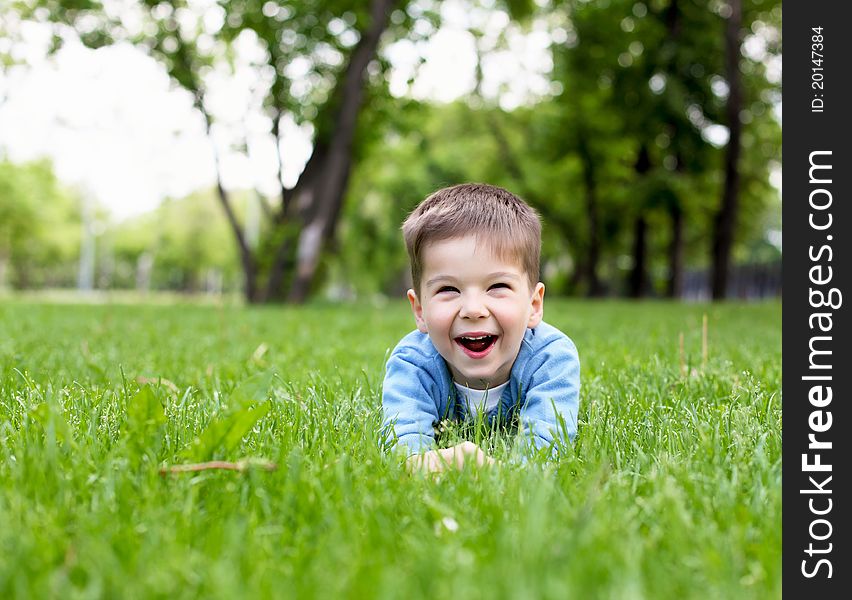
(477, 400)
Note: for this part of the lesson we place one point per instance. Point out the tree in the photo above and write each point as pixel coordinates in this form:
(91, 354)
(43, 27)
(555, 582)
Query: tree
(637, 51)
(178, 246)
(726, 217)
(39, 227)
(623, 163)
(316, 55)
(665, 62)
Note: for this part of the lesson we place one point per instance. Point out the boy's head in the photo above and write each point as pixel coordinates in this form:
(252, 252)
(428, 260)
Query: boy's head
(474, 253)
(498, 218)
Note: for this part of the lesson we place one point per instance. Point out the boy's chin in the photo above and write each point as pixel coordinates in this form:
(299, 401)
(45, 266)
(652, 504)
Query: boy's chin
(475, 379)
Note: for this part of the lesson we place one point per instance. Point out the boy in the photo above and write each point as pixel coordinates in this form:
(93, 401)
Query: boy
(480, 343)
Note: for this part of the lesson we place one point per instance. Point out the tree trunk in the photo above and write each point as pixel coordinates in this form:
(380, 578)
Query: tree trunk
(726, 218)
(638, 277)
(591, 201)
(638, 280)
(313, 206)
(674, 287)
(317, 199)
(246, 257)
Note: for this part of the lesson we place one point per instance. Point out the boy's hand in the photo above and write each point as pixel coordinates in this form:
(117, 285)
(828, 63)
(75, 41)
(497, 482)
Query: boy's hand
(436, 461)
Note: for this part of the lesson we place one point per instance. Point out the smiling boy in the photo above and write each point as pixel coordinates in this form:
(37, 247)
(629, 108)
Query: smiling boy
(480, 343)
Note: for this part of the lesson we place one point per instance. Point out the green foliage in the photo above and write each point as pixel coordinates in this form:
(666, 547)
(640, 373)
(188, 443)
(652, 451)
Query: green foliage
(672, 488)
(39, 227)
(632, 76)
(629, 79)
(186, 240)
(659, 68)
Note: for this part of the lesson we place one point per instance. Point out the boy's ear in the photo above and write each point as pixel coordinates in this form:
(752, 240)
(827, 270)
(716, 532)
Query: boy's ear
(537, 306)
(417, 309)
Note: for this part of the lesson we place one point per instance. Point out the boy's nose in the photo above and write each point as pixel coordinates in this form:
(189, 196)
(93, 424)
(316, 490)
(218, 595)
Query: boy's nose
(473, 308)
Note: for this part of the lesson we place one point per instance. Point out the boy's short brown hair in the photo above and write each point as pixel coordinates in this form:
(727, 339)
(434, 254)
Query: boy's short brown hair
(511, 227)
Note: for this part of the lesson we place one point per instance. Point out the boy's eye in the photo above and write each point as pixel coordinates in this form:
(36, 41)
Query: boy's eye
(500, 285)
(447, 288)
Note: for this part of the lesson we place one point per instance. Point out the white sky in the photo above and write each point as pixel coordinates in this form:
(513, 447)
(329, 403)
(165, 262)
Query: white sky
(118, 130)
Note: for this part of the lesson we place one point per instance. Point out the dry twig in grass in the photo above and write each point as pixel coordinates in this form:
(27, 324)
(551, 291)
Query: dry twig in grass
(158, 381)
(240, 465)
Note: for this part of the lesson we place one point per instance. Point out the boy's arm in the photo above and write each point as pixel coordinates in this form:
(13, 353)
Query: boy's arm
(408, 403)
(552, 395)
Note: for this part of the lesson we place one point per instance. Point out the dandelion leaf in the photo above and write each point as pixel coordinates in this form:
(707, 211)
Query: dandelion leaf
(225, 432)
(145, 420)
(52, 422)
(252, 390)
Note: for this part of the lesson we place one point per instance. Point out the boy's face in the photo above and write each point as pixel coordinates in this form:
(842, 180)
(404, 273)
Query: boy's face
(476, 308)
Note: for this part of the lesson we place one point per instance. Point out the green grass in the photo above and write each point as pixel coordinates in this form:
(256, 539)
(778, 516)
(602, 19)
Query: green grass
(673, 488)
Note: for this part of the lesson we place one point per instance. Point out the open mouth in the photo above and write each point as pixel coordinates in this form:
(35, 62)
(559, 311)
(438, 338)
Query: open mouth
(476, 346)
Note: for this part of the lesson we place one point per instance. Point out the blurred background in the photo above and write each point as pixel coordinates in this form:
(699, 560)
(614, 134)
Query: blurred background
(270, 150)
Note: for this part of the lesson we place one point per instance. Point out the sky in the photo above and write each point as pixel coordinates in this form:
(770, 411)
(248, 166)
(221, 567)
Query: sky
(118, 131)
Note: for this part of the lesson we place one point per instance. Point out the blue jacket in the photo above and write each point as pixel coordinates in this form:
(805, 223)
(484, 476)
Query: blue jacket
(418, 391)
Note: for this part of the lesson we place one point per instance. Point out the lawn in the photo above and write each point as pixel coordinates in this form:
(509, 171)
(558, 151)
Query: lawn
(672, 490)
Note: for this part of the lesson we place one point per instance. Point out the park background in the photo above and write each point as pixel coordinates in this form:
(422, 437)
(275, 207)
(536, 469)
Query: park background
(272, 151)
(200, 260)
